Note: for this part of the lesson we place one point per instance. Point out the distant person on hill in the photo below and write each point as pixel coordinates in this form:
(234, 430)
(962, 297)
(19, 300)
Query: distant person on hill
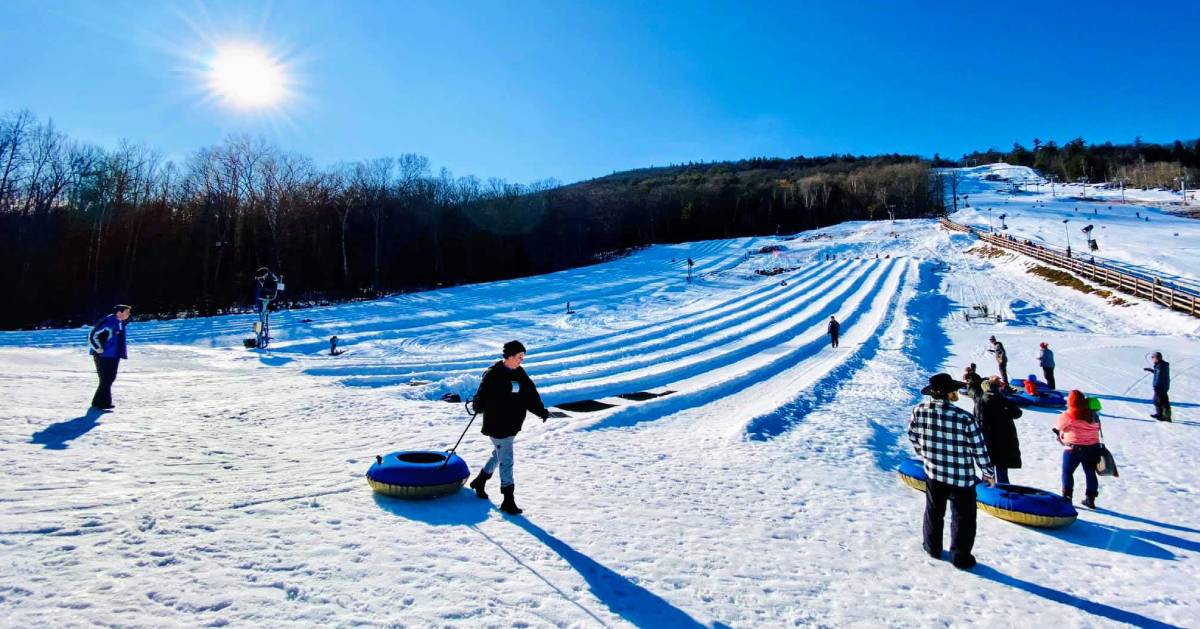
(1161, 382)
(949, 443)
(106, 344)
(995, 414)
(504, 395)
(1046, 360)
(1001, 357)
(834, 328)
(1078, 429)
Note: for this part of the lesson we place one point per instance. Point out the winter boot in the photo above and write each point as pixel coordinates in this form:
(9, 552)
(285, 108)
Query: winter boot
(1068, 494)
(509, 505)
(479, 483)
(1090, 502)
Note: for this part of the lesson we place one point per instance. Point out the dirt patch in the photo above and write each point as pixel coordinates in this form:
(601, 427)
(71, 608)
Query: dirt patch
(987, 251)
(1063, 278)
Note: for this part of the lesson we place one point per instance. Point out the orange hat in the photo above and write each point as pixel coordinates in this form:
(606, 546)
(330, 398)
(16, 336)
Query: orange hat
(1076, 401)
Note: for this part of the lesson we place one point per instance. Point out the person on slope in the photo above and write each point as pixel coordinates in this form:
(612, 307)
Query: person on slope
(106, 345)
(1046, 360)
(1161, 382)
(949, 443)
(504, 395)
(834, 328)
(1078, 429)
(974, 381)
(1001, 357)
(995, 414)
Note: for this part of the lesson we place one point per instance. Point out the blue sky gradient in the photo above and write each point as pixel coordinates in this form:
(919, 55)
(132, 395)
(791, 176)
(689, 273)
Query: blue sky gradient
(573, 90)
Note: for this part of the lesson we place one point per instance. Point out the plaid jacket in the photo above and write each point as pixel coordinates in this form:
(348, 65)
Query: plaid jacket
(948, 440)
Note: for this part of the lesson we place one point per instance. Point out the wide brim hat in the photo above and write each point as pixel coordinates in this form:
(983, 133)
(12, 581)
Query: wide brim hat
(941, 384)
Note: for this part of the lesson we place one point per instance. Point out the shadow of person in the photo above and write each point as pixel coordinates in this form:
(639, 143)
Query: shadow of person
(1112, 538)
(461, 507)
(1141, 400)
(1096, 609)
(56, 436)
(623, 597)
(1141, 520)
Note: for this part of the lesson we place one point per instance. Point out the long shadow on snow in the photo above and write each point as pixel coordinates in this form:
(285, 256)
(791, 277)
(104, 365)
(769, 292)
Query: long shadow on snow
(660, 407)
(55, 436)
(1096, 609)
(923, 314)
(1142, 400)
(1141, 520)
(1118, 540)
(623, 597)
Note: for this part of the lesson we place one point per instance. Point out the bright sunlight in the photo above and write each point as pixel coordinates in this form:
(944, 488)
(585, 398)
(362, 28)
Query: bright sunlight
(246, 77)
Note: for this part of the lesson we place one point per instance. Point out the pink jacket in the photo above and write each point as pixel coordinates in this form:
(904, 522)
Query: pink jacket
(1077, 432)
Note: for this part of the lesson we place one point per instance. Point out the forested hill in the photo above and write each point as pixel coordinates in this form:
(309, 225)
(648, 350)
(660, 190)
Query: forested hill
(83, 227)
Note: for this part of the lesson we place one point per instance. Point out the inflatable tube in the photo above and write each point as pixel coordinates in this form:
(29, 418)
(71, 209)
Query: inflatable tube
(1053, 399)
(1019, 385)
(1025, 505)
(1014, 503)
(417, 474)
(912, 473)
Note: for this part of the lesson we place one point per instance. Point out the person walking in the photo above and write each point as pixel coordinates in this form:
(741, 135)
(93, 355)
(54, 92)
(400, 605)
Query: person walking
(834, 328)
(1161, 382)
(1078, 429)
(504, 395)
(949, 443)
(1046, 360)
(974, 381)
(106, 345)
(1001, 357)
(994, 413)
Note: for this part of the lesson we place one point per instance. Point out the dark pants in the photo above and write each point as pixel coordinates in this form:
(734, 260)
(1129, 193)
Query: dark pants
(106, 368)
(1004, 372)
(1088, 457)
(833, 336)
(962, 519)
(1162, 405)
(1001, 474)
(1048, 372)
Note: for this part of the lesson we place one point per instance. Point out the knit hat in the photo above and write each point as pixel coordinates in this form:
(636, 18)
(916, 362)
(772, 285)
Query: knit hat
(1044, 345)
(1077, 403)
(942, 384)
(512, 348)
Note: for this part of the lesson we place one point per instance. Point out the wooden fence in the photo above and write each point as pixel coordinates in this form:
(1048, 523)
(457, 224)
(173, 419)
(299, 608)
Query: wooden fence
(1145, 285)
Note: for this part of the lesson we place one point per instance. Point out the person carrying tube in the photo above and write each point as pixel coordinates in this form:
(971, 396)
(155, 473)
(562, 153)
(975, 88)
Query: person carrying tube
(503, 397)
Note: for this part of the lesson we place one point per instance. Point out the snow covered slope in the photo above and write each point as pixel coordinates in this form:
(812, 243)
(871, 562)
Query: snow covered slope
(228, 489)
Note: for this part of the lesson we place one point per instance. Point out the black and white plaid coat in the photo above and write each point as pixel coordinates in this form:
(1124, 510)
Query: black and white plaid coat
(948, 440)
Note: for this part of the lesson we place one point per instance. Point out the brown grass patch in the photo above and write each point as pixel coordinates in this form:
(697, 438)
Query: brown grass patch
(1063, 278)
(987, 251)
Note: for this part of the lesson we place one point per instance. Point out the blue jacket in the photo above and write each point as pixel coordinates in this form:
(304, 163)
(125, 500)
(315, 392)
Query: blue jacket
(1162, 375)
(1046, 359)
(107, 338)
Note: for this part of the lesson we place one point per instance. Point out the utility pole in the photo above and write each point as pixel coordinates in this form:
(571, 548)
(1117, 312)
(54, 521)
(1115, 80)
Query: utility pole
(1068, 231)
(1053, 178)
(1183, 187)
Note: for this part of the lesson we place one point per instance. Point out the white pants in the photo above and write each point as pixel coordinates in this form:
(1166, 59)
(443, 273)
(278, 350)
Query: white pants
(502, 452)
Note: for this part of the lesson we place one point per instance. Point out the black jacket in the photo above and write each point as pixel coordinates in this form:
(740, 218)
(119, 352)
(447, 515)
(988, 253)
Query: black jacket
(995, 416)
(833, 327)
(503, 397)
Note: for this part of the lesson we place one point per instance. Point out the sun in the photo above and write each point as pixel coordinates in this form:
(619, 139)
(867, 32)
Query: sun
(246, 77)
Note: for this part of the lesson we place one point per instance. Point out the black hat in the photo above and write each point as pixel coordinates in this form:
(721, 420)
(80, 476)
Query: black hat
(512, 348)
(941, 384)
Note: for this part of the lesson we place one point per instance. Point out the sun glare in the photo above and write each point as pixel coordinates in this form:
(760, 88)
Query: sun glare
(246, 77)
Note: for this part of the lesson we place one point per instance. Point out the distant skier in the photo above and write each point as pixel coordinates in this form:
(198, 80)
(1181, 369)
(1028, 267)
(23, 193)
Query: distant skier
(834, 329)
(950, 445)
(1161, 382)
(1046, 360)
(106, 343)
(995, 414)
(1001, 357)
(504, 395)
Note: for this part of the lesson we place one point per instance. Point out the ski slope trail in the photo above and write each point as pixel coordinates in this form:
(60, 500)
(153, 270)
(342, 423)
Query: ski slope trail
(227, 488)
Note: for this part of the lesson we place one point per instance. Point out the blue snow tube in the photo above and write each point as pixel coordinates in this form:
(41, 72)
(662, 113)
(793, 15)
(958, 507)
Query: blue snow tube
(1050, 398)
(417, 474)
(1025, 505)
(1014, 503)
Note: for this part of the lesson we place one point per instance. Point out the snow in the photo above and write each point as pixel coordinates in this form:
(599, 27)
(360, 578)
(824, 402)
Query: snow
(227, 488)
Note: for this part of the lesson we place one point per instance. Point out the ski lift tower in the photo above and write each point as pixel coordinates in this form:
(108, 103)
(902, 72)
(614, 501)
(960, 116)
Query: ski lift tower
(266, 290)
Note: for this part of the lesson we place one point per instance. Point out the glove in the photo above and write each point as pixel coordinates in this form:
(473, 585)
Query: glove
(544, 415)
(1147, 369)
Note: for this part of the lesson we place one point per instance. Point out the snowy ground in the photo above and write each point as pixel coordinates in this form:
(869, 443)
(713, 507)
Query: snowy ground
(227, 488)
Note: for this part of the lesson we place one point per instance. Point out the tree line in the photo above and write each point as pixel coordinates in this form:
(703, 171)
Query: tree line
(1139, 165)
(83, 226)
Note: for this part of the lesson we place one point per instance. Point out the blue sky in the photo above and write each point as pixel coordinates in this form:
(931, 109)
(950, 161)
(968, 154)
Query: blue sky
(572, 90)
